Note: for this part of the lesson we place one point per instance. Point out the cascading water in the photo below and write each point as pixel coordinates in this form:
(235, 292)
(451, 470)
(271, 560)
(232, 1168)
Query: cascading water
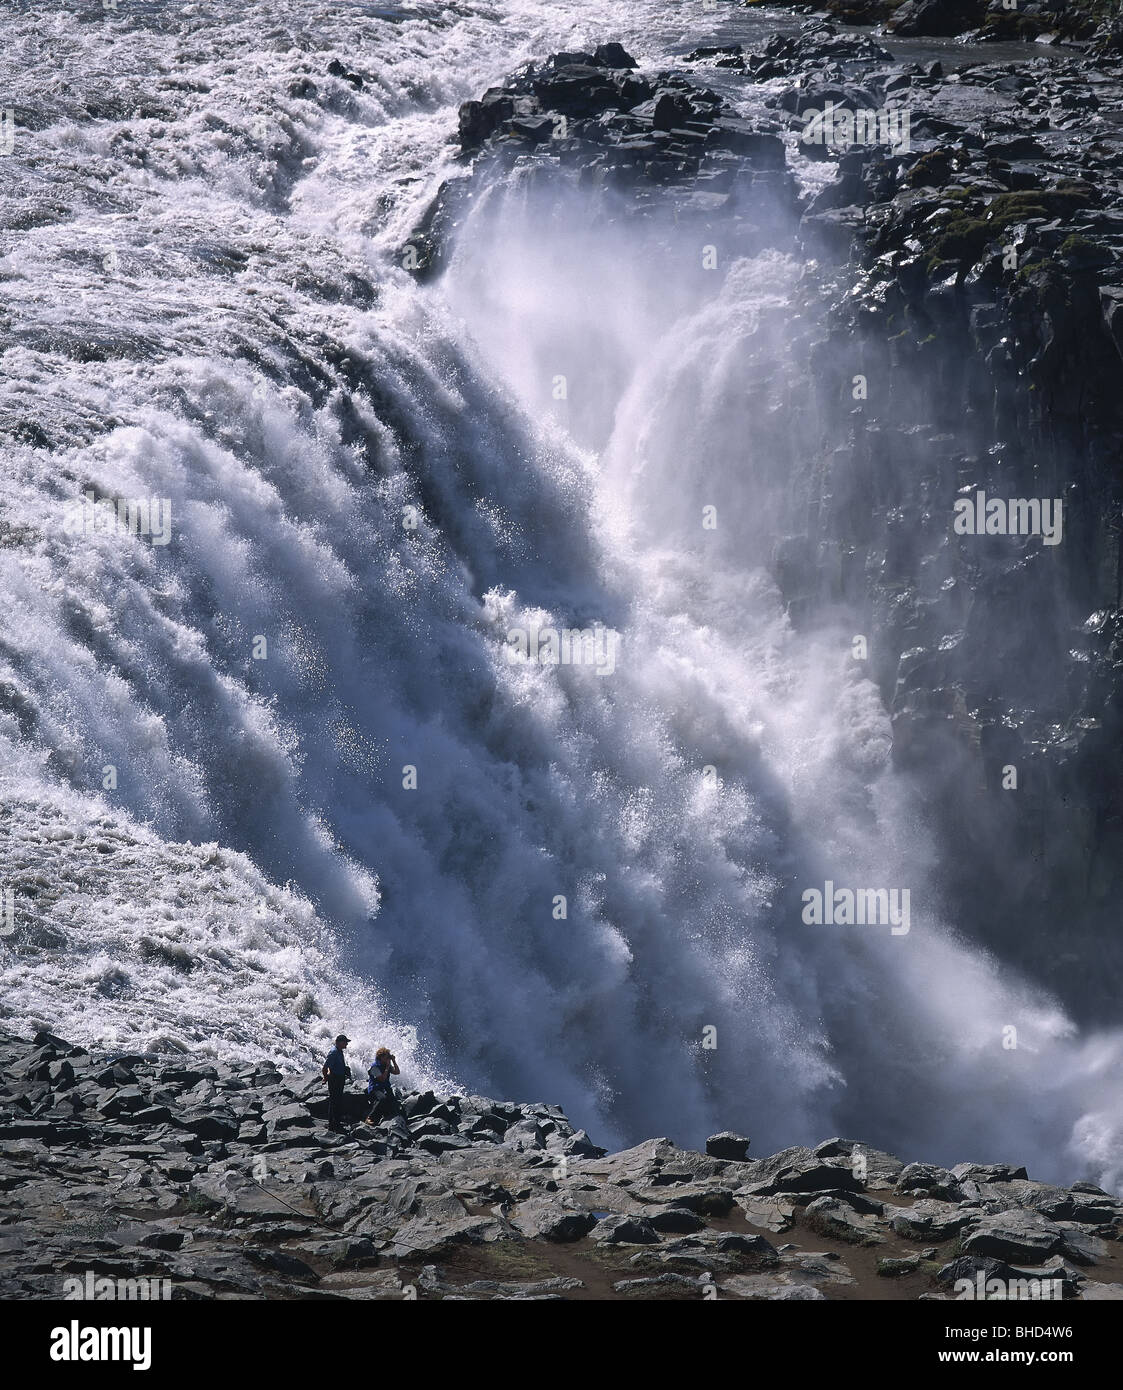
(209, 823)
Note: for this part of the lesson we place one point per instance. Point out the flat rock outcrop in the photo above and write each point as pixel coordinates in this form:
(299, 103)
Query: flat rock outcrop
(192, 1179)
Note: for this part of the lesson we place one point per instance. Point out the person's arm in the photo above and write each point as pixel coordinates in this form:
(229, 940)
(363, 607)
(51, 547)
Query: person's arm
(394, 1071)
(324, 1071)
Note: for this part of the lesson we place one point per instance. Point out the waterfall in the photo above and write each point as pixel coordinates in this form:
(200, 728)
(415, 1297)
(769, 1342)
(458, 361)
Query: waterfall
(290, 772)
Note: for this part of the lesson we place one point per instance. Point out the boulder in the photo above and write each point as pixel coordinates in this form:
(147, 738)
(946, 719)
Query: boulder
(613, 55)
(983, 1271)
(212, 1124)
(809, 1176)
(833, 1218)
(929, 1221)
(548, 1220)
(875, 1168)
(1014, 1236)
(676, 1221)
(987, 1172)
(928, 1178)
(936, 18)
(625, 1230)
(286, 1117)
(770, 1213)
(762, 149)
(425, 1237)
(728, 1145)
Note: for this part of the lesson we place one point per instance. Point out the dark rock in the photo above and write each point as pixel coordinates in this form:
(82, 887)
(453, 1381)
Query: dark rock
(548, 1220)
(676, 1220)
(840, 1221)
(763, 150)
(930, 1221)
(936, 18)
(728, 1145)
(282, 1263)
(925, 1177)
(211, 1125)
(1014, 1236)
(988, 1172)
(613, 55)
(809, 1176)
(704, 1201)
(671, 110)
(336, 69)
(625, 1230)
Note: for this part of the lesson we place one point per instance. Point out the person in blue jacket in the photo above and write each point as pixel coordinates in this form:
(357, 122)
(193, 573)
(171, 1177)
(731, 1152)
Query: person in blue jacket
(336, 1073)
(383, 1102)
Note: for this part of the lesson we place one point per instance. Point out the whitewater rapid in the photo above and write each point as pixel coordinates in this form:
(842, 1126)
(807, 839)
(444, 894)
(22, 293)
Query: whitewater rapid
(209, 821)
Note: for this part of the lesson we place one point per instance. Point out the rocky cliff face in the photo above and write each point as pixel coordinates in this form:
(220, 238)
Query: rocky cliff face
(960, 334)
(980, 305)
(149, 1176)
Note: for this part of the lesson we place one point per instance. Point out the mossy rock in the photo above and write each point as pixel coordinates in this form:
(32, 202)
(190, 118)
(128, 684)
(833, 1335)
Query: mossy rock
(931, 170)
(1079, 251)
(963, 239)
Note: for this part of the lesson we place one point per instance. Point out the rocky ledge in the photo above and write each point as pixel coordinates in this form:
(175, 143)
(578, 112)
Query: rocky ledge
(1095, 22)
(204, 1180)
(652, 143)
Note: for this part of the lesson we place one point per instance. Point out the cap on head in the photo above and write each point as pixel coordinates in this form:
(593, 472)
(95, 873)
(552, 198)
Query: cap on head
(342, 1040)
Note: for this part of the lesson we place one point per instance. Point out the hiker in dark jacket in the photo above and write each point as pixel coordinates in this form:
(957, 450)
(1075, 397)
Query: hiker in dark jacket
(383, 1101)
(336, 1073)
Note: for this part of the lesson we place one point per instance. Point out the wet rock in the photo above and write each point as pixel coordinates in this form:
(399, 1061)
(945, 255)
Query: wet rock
(286, 1117)
(213, 1124)
(936, 18)
(613, 55)
(281, 1262)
